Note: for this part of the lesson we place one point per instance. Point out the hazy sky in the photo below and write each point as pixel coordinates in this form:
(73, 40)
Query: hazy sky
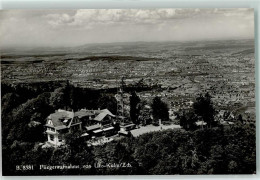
(76, 27)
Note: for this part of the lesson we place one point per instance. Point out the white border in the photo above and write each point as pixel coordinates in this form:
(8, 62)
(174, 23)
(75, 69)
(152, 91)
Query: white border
(125, 4)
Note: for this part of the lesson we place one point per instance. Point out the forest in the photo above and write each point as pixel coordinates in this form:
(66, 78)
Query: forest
(212, 150)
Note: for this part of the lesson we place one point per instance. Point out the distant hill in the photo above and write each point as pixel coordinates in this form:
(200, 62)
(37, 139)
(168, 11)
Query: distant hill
(140, 47)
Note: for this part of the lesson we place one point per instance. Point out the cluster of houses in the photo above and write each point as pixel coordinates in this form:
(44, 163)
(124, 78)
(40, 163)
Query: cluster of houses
(100, 125)
(93, 124)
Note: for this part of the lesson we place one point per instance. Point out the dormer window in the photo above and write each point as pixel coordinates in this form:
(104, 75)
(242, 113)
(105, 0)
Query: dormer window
(66, 122)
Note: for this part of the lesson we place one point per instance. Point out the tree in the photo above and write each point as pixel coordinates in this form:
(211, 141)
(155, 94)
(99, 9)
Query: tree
(9, 102)
(144, 116)
(134, 110)
(57, 99)
(204, 107)
(63, 97)
(187, 120)
(74, 141)
(107, 101)
(160, 110)
(24, 114)
(240, 118)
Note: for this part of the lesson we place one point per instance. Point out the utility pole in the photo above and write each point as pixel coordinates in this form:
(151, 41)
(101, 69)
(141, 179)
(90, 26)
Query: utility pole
(120, 98)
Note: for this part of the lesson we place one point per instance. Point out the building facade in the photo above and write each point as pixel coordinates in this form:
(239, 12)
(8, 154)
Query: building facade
(91, 122)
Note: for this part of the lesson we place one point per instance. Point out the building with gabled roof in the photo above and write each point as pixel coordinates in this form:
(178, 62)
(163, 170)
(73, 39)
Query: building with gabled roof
(103, 117)
(58, 124)
(62, 122)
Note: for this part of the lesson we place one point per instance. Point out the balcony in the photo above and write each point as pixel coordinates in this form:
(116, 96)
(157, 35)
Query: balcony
(51, 132)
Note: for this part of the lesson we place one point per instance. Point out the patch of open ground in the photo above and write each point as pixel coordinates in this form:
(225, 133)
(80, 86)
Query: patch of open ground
(151, 128)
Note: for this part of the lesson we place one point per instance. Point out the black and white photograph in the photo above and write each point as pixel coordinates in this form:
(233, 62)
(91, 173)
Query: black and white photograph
(158, 91)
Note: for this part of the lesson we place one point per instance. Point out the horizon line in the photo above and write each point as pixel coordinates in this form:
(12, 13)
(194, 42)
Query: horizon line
(118, 42)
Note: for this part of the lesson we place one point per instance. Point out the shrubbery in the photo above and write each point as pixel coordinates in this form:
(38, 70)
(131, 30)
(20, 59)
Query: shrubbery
(204, 151)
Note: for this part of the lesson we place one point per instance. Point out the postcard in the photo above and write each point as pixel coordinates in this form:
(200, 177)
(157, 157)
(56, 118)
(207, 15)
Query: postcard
(128, 91)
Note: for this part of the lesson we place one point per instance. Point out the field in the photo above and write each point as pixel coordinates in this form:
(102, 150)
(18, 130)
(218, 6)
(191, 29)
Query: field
(178, 70)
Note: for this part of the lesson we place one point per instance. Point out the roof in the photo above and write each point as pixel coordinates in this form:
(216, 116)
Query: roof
(58, 117)
(84, 112)
(103, 114)
(98, 131)
(89, 128)
(49, 125)
(50, 132)
(109, 128)
(123, 132)
(128, 125)
(85, 134)
(121, 117)
(147, 106)
(200, 123)
(226, 122)
(61, 127)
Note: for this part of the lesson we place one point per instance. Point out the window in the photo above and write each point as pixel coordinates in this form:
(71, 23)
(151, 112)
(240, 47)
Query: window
(51, 137)
(60, 138)
(51, 129)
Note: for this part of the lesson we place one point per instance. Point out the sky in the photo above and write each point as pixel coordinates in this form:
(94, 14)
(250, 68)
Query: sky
(67, 28)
